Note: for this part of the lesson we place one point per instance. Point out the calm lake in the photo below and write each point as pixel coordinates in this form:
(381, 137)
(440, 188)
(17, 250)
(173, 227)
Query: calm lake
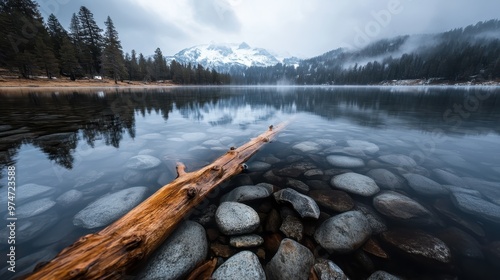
(71, 148)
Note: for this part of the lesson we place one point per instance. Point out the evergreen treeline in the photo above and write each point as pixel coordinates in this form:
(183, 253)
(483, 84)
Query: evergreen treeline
(33, 47)
(464, 54)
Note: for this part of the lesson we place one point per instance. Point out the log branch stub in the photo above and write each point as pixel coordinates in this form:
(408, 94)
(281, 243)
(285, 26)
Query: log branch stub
(181, 169)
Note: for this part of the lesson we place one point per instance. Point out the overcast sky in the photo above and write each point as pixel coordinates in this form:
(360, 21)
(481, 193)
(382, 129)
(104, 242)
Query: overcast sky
(303, 28)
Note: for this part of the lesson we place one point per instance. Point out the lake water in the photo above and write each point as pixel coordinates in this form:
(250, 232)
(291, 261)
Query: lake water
(77, 146)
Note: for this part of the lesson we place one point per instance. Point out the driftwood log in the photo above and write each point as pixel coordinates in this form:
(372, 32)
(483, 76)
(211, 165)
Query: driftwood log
(116, 250)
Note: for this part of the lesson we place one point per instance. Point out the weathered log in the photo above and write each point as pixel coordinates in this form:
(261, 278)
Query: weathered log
(116, 250)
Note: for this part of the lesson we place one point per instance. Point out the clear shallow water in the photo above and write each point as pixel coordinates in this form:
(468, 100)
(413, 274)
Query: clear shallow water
(82, 141)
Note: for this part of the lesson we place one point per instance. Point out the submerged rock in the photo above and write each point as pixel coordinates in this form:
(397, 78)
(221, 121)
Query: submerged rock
(356, 184)
(382, 275)
(235, 218)
(90, 177)
(245, 241)
(398, 161)
(304, 205)
(365, 146)
(386, 179)
(179, 254)
(448, 178)
(249, 192)
(29, 228)
(292, 228)
(476, 206)
(69, 198)
(307, 147)
(343, 233)
(34, 208)
(297, 185)
(258, 166)
(338, 201)
(425, 186)
(461, 243)
(27, 191)
(194, 136)
(109, 208)
(418, 245)
(345, 161)
(446, 208)
(292, 261)
(401, 208)
(377, 223)
(143, 162)
(243, 266)
(326, 269)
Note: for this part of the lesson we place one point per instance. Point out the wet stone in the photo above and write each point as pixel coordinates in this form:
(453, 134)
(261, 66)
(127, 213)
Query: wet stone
(292, 261)
(418, 245)
(246, 241)
(34, 208)
(109, 208)
(365, 146)
(297, 185)
(338, 201)
(386, 179)
(194, 136)
(425, 186)
(382, 275)
(343, 233)
(29, 228)
(142, 162)
(448, 178)
(246, 193)
(133, 176)
(90, 177)
(257, 166)
(179, 254)
(304, 205)
(461, 243)
(326, 269)
(345, 161)
(313, 173)
(235, 218)
(401, 208)
(69, 198)
(243, 266)
(376, 222)
(355, 183)
(398, 161)
(490, 190)
(446, 208)
(307, 147)
(292, 228)
(477, 207)
(27, 191)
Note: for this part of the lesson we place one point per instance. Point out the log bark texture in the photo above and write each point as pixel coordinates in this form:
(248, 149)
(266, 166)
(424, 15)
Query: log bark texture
(116, 250)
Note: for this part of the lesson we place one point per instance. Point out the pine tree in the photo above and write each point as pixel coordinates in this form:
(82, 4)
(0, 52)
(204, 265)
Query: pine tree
(90, 35)
(21, 26)
(57, 34)
(112, 55)
(68, 61)
(45, 58)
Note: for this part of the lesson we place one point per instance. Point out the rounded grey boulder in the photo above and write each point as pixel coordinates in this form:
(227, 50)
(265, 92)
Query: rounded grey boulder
(243, 266)
(179, 254)
(355, 183)
(292, 261)
(345, 161)
(304, 205)
(109, 208)
(235, 218)
(142, 162)
(343, 233)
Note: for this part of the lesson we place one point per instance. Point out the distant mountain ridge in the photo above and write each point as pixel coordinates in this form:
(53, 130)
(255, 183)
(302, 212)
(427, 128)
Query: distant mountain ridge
(462, 55)
(228, 57)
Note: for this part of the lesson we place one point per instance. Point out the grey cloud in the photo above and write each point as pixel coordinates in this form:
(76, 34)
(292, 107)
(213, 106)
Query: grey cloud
(217, 13)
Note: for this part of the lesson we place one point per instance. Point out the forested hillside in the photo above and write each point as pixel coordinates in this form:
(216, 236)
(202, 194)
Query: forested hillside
(31, 46)
(463, 54)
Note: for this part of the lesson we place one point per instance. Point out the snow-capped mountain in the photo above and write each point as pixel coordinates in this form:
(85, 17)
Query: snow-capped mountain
(225, 57)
